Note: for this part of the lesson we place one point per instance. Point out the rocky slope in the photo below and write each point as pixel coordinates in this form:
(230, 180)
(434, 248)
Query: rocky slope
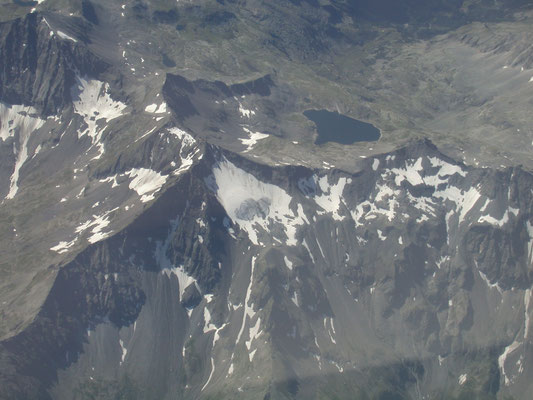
(169, 229)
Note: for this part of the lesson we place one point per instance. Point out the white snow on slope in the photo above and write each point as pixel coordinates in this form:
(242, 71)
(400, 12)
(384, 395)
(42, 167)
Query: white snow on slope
(516, 344)
(62, 247)
(501, 360)
(210, 374)
(288, 262)
(124, 351)
(188, 151)
(156, 109)
(92, 101)
(253, 333)
(97, 224)
(464, 201)
(306, 246)
(530, 242)
(411, 173)
(294, 299)
(253, 204)
(497, 222)
(146, 182)
(384, 204)
(248, 309)
(253, 138)
(327, 195)
(207, 328)
(527, 302)
(167, 267)
(445, 168)
(63, 35)
(387, 191)
(332, 195)
(245, 112)
(18, 121)
(184, 279)
(487, 281)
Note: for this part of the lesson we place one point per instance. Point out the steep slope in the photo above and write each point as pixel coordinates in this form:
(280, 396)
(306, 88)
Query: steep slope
(293, 282)
(170, 229)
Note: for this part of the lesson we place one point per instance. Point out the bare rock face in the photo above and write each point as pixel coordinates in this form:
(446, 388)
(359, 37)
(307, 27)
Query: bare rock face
(37, 70)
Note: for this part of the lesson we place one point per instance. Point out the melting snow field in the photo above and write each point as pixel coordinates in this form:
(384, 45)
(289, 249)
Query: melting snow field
(332, 195)
(501, 359)
(92, 101)
(18, 121)
(245, 113)
(63, 247)
(189, 150)
(146, 182)
(253, 138)
(156, 109)
(97, 223)
(184, 279)
(124, 351)
(63, 35)
(248, 310)
(251, 203)
(429, 171)
(168, 268)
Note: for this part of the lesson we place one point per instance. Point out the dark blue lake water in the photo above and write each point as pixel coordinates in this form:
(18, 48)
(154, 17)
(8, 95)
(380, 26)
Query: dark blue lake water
(335, 127)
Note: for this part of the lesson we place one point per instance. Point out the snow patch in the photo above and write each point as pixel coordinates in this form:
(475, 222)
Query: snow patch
(210, 374)
(288, 263)
(304, 244)
(332, 195)
(486, 280)
(253, 204)
(156, 108)
(184, 279)
(294, 299)
(411, 173)
(63, 35)
(166, 266)
(124, 351)
(91, 100)
(21, 121)
(252, 139)
(501, 360)
(527, 301)
(253, 333)
(98, 223)
(62, 247)
(248, 310)
(188, 151)
(146, 182)
(245, 112)
(493, 221)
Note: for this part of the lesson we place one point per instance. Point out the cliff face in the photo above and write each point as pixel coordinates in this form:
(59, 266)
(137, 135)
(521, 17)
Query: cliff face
(169, 229)
(37, 70)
